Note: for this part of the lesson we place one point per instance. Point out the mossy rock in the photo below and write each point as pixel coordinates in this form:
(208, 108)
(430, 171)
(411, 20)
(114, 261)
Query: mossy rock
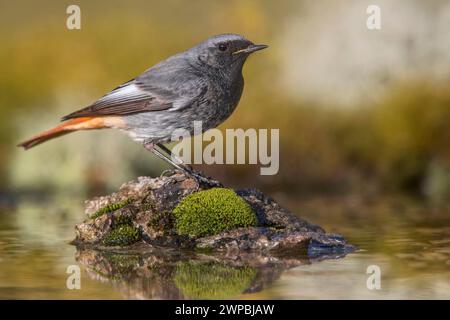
(212, 280)
(110, 208)
(212, 211)
(122, 235)
(161, 221)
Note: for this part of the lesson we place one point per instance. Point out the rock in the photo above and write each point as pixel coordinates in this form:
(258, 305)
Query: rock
(131, 239)
(140, 215)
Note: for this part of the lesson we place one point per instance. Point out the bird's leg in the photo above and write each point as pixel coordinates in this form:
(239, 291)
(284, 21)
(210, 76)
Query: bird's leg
(152, 147)
(165, 154)
(173, 156)
(188, 169)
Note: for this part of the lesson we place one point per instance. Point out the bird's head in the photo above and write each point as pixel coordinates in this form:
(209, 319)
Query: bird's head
(225, 51)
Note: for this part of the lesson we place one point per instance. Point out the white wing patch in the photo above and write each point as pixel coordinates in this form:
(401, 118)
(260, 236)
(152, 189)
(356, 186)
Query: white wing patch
(181, 103)
(126, 93)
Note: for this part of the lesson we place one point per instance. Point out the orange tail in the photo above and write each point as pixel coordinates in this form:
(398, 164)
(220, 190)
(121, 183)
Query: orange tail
(83, 123)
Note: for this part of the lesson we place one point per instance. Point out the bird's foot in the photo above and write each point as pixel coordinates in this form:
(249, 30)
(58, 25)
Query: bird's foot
(200, 179)
(169, 172)
(172, 176)
(204, 180)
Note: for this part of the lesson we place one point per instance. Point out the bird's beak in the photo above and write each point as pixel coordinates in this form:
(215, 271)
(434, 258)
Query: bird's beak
(251, 48)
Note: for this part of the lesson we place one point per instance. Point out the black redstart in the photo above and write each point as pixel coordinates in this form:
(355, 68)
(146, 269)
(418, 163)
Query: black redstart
(203, 83)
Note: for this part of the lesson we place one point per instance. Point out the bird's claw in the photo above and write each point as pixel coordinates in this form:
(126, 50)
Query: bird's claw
(206, 181)
(200, 179)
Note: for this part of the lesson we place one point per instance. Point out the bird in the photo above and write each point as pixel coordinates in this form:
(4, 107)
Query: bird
(203, 83)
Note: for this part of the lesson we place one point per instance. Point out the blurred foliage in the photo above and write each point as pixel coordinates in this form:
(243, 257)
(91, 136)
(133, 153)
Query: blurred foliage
(47, 71)
(391, 144)
(411, 128)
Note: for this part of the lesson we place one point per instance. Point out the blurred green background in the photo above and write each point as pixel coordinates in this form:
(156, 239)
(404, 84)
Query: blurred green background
(358, 110)
(363, 118)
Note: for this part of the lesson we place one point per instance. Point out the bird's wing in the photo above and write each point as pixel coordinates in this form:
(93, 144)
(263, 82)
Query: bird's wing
(168, 85)
(126, 99)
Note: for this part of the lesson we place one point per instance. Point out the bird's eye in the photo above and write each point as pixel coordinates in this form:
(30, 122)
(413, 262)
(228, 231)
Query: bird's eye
(223, 47)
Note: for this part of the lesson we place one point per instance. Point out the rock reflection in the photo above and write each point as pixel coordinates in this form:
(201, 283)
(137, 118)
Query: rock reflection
(173, 274)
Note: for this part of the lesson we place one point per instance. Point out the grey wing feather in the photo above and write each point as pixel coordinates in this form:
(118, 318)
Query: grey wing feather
(167, 85)
(125, 99)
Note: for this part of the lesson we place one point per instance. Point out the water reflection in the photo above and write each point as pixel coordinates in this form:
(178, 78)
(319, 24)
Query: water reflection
(171, 274)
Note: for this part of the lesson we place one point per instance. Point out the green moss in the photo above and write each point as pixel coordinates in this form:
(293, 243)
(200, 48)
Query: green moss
(212, 211)
(122, 219)
(123, 232)
(212, 280)
(122, 235)
(148, 206)
(111, 207)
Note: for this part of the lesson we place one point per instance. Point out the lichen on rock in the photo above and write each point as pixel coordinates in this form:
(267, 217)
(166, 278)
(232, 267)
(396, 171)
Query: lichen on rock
(212, 211)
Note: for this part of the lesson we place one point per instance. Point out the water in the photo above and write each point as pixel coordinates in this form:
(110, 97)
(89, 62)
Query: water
(408, 241)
